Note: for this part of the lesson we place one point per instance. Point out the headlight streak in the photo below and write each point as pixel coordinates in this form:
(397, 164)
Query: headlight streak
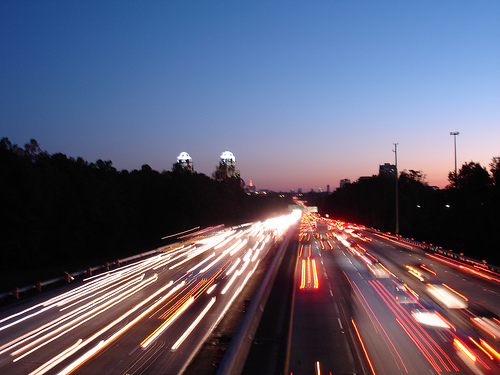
(106, 295)
(445, 297)
(229, 283)
(110, 279)
(184, 295)
(74, 365)
(211, 289)
(25, 318)
(212, 263)
(201, 263)
(101, 292)
(236, 247)
(245, 264)
(229, 238)
(189, 257)
(194, 324)
(45, 306)
(245, 280)
(166, 324)
(126, 270)
(90, 292)
(233, 267)
(171, 259)
(57, 359)
(163, 263)
(257, 252)
(71, 325)
(21, 339)
(248, 256)
(119, 319)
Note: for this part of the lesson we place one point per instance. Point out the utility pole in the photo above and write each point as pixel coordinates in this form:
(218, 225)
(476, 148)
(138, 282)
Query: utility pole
(454, 134)
(397, 187)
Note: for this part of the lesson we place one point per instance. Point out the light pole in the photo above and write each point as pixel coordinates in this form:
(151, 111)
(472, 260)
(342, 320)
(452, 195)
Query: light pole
(397, 188)
(454, 134)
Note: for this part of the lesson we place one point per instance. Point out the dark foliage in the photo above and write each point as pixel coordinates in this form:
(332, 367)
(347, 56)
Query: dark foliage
(63, 214)
(464, 217)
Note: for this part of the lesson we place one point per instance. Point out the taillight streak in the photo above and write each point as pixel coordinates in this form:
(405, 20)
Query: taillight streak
(420, 334)
(385, 336)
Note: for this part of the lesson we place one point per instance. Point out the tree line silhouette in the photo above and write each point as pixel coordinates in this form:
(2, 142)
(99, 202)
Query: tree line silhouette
(463, 217)
(64, 214)
(60, 214)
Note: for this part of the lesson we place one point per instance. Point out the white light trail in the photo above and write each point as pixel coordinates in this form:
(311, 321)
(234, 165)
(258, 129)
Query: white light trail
(233, 267)
(82, 359)
(71, 325)
(211, 289)
(57, 359)
(211, 264)
(167, 323)
(229, 283)
(193, 325)
(239, 247)
(125, 315)
(201, 263)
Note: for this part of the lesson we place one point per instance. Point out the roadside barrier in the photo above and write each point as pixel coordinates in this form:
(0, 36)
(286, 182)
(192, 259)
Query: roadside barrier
(236, 356)
(429, 248)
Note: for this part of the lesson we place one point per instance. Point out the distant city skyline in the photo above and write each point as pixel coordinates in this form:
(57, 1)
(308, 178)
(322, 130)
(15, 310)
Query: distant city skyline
(303, 93)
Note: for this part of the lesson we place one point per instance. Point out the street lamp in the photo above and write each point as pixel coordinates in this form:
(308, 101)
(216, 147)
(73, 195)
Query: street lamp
(397, 188)
(454, 134)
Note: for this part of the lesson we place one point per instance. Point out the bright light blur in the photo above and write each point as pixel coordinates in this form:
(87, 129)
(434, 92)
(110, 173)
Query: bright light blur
(221, 262)
(445, 297)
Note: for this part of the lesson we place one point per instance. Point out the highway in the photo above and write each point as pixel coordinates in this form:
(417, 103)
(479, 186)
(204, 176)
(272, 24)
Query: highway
(347, 300)
(148, 317)
(364, 303)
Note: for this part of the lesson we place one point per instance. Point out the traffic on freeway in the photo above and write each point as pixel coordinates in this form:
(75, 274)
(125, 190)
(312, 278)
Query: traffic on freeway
(150, 316)
(359, 302)
(366, 302)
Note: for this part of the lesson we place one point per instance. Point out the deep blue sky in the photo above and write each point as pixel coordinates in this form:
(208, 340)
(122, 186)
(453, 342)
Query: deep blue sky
(304, 93)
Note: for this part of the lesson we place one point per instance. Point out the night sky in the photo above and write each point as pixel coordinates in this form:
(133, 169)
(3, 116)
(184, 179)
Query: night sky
(304, 93)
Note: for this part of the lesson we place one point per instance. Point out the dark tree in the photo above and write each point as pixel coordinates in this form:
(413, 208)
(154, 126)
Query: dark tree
(495, 170)
(458, 218)
(63, 214)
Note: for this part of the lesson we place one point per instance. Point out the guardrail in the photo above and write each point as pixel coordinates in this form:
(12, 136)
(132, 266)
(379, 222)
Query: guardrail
(236, 356)
(437, 249)
(68, 277)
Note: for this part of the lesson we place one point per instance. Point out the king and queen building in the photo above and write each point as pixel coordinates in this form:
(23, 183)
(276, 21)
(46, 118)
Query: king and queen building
(225, 169)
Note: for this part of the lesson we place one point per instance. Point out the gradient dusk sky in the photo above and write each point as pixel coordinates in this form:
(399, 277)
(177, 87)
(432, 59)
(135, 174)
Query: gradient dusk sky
(304, 93)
